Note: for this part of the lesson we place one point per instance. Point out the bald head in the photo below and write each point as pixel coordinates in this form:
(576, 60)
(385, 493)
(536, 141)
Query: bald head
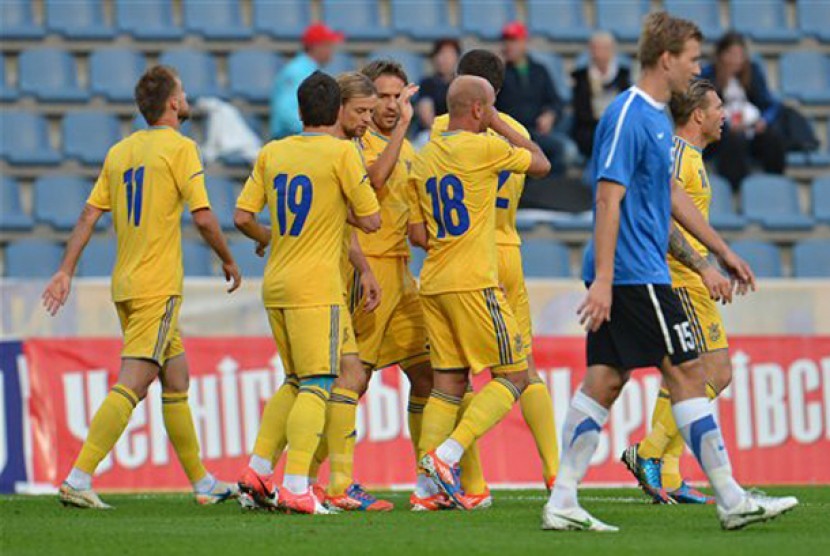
(469, 102)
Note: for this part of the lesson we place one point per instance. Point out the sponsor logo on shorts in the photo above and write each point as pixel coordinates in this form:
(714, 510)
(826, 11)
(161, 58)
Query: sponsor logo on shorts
(518, 344)
(714, 332)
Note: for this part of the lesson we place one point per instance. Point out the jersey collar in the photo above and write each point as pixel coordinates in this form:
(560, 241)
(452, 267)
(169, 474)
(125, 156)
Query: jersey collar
(679, 139)
(374, 133)
(648, 98)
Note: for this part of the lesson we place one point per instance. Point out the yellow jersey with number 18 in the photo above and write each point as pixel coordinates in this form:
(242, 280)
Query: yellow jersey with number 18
(308, 181)
(456, 177)
(145, 182)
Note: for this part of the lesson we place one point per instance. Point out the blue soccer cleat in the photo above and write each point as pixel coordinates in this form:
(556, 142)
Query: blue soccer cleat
(684, 494)
(648, 474)
(447, 477)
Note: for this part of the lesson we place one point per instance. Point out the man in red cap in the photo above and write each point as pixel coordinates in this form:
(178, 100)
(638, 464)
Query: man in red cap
(319, 43)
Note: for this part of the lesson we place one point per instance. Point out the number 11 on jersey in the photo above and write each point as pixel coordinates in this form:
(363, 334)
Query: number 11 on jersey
(134, 183)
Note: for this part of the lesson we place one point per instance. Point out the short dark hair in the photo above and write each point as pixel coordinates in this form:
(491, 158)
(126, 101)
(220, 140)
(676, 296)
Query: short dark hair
(153, 90)
(664, 33)
(439, 45)
(375, 69)
(319, 100)
(482, 63)
(683, 105)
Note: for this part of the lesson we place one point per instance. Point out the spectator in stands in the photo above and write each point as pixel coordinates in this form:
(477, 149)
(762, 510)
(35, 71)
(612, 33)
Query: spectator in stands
(319, 43)
(530, 97)
(595, 86)
(432, 97)
(750, 111)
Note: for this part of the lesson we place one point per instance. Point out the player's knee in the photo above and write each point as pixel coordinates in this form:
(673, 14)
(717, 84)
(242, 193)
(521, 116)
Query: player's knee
(179, 384)
(452, 383)
(420, 379)
(519, 380)
(353, 376)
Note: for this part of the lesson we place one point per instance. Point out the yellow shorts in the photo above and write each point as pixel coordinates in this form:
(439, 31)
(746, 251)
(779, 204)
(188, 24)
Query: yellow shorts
(475, 330)
(151, 328)
(311, 340)
(512, 279)
(703, 316)
(394, 333)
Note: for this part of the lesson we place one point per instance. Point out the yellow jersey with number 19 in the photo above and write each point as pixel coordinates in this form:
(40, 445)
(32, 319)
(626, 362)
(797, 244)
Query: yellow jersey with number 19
(145, 182)
(456, 177)
(308, 181)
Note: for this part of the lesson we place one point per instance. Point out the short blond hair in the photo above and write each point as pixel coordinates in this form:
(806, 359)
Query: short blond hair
(664, 33)
(354, 84)
(683, 105)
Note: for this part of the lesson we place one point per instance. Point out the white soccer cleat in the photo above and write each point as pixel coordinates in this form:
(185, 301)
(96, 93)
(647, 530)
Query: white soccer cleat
(755, 508)
(220, 492)
(573, 519)
(70, 496)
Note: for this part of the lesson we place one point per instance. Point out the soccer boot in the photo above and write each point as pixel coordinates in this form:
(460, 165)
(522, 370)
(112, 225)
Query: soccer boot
(549, 484)
(447, 477)
(572, 519)
(70, 496)
(432, 503)
(647, 472)
(258, 489)
(684, 494)
(220, 492)
(357, 499)
(306, 503)
(481, 501)
(755, 508)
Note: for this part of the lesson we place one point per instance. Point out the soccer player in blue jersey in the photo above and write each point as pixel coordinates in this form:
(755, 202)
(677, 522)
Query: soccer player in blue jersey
(626, 263)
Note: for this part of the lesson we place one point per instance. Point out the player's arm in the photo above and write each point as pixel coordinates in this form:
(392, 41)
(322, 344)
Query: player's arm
(716, 284)
(354, 182)
(539, 163)
(208, 226)
(380, 170)
(57, 290)
(368, 283)
(418, 235)
(247, 223)
(416, 229)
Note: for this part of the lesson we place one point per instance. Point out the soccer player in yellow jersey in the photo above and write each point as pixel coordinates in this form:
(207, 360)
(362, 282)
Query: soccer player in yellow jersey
(145, 182)
(470, 325)
(655, 461)
(535, 402)
(309, 182)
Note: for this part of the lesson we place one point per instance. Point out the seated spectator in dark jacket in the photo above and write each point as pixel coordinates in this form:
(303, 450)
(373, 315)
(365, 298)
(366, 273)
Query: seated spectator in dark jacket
(595, 86)
(432, 96)
(530, 97)
(750, 111)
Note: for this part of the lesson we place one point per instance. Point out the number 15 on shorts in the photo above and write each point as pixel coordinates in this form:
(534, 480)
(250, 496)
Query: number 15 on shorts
(685, 336)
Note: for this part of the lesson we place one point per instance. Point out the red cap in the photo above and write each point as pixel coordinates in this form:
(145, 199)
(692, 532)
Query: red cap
(514, 30)
(320, 32)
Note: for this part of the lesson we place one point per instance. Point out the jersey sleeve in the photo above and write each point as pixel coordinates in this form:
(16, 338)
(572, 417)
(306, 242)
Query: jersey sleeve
(355, 182)
(99, 197)
(191, 178)
(617, 153)
(253, 198)
(416, 214)
(504, 156)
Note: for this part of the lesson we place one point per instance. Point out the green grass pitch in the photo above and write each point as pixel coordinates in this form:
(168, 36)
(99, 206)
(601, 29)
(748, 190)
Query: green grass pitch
(173, 524)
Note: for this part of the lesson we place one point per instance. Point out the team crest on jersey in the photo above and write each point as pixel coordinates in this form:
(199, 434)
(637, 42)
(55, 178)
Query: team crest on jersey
(345, 336)
(408, 164)
(714, 332)
(517, 343)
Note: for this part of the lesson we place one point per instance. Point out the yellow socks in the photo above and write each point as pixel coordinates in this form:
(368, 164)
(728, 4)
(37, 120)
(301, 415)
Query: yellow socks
(106, 427)
(272, 438)
(182, 434)
(415, 413)
(305, 427)
(438, 422)
(487, 408)
(537, 409)
(663, 429)
(319, 457)
(472, 475)
(340, 437)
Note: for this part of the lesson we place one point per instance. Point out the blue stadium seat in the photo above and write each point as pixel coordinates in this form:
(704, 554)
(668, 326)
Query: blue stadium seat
(25, 139)
(545, 258)
(762, 20)
(413, 64)
(422, 20)
(7, 93)
(762, 256)
(78, 19)
(250, 265)
(559, 20)
(197, 70)
(17, 20)
(60, 199)
(222, 200)
(12, 217)
(486, 18)
(251, 74)
(217, 19)
(147, 20)
(33, 258)
(705, 13)
(358, 19)
(722, 212)
(51, 75)
(814, 18)
(811, 258)
(281, 19)
(98, 258)
(340, 62)
(113, 73)
(805, 76)
(196, 258)
(416, 260)
(821, 199)
(556, 69)
(87, 136)
(623, 18)
(772, 201)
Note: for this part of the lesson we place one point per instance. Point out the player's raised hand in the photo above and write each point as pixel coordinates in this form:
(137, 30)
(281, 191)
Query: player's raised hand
(371, 291)
(56, 292)
(405, 102)
(596, 309)
(232, 275)
(739, 272)
(718, 285)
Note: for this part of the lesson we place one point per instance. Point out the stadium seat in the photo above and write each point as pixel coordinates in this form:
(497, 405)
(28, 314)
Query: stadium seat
(545, 258)
(113, 73)
(87, 136)
(222, 199)
(33, 258)
(250, 265)
(762, 20)
(340, 62)
(821, 199)
(556, 68)
(281, 19)
(78, 19)
(623, 18)
(197, 70)
(196, 258)
(762, 256)
(705, 13)
(216, 20)
(25, 139)
(416, 260)
(486, 18)
(17, 20)
(60, 199)
(12, 217)
(413, 64)
(51, 75)
(422, 20)
(98, 258)
(7, 93)
(811, 258)
(251, 74)
(358, 19)
(147, 20)
(814, 18)
(772, 201)
(805, 76)
(722, 212)
(559, 20)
